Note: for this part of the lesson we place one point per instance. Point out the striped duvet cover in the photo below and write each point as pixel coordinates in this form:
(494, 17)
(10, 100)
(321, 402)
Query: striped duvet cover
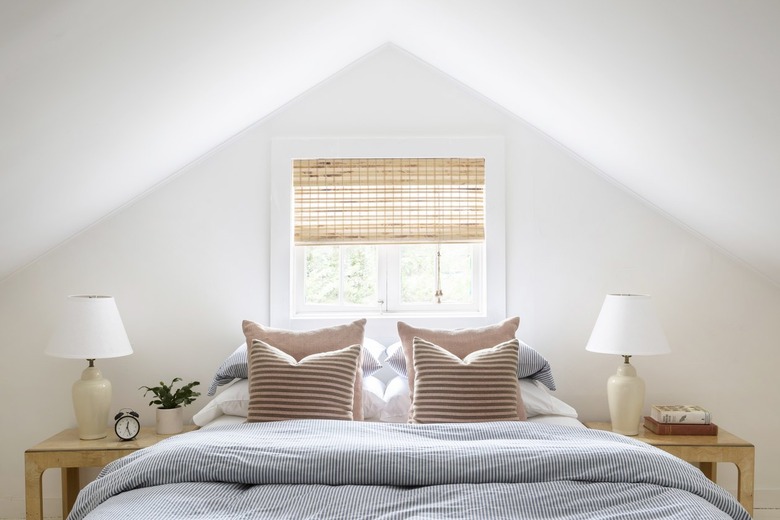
(318, 469)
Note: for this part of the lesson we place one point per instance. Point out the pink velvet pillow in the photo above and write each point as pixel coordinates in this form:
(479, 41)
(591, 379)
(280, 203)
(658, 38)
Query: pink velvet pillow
(300, 344)
(460, 342)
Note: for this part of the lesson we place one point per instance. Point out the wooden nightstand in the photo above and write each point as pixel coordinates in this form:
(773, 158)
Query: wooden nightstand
(707, 451)
(65, 450)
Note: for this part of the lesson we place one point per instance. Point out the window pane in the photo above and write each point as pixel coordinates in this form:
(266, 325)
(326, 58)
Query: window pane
(418, 273)
(456, 273)
(360, 275)
(322, 275)
(340, 278)
(340, 275)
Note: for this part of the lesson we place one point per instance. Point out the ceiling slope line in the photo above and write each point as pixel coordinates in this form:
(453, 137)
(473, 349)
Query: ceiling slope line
(464, 86)
(185, 168)
(599, 172)
(656, 209)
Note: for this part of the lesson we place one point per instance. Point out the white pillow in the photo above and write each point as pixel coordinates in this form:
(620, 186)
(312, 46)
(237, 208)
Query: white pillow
(373, 398)
(397, 401)
(538, 401)
(233, 400)
(375, 348)
(207, 414)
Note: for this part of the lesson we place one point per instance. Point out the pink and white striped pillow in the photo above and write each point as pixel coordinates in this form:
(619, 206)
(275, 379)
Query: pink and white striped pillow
(300, 344)
(319, 386)
(481, 387)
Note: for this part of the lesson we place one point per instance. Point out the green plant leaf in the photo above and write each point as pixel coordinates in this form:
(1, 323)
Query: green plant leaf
(167, 398)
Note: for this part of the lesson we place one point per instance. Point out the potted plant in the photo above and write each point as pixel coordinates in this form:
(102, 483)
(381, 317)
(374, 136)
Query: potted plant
(170, 403)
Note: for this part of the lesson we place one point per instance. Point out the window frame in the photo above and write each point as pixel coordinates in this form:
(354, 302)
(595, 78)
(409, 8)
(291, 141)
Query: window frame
(282, 257)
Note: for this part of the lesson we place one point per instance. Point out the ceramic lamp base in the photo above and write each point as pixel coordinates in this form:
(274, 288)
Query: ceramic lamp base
(91, 402)
(626, 396)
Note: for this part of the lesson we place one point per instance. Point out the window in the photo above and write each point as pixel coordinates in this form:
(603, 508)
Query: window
(388, 278)
(283, 260)
(388, 235)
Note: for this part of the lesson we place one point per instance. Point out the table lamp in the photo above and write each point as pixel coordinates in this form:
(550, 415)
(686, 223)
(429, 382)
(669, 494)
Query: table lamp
(90, 329)
(627, 326)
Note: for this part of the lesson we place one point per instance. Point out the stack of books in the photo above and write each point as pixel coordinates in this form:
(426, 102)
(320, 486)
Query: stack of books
(680, 419)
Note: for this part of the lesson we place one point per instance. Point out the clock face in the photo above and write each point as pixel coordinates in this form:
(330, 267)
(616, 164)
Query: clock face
(127, 427)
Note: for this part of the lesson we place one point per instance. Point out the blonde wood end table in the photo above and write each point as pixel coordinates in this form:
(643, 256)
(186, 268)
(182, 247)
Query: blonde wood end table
(707, 451)
(65, 450)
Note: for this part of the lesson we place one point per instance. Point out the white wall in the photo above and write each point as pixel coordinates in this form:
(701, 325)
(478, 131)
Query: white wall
(189, 261)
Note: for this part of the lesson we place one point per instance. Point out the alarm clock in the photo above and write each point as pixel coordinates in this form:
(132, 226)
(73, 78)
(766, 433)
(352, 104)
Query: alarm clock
(126, 424)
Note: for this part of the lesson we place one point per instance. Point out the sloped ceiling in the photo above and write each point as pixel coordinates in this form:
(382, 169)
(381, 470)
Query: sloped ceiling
(677, 102)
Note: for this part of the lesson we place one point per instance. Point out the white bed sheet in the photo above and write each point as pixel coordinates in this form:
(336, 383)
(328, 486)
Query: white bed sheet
(560, 420)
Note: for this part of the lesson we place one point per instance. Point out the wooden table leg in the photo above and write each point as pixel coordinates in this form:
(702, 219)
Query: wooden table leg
(33, 485)
(710, 470)
(70, 489)
(745, 480)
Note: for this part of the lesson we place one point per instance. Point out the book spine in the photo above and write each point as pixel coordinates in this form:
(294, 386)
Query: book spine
(680, 429)
(680, 417)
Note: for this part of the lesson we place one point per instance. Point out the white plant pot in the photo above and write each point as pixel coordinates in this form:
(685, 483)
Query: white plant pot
(170, 420)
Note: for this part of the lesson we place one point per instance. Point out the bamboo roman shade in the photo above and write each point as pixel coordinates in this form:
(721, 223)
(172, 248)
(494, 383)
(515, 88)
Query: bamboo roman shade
(340, 201)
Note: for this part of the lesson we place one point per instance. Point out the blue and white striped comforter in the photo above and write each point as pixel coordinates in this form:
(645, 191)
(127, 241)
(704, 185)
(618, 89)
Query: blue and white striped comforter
(337, 469)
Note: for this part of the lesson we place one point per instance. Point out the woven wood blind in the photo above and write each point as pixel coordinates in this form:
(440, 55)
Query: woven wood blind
(340, 201)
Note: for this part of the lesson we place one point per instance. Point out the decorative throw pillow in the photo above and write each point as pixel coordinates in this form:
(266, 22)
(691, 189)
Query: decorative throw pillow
(392, 405)
(532, 364)
(460, 342)
(481, 387)
(396, 360)
(236, 365)
(300, 344)
(319, 386)
(234, 400)
(373, 351)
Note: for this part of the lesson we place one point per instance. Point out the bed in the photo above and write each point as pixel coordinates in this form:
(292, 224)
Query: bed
(541, 463)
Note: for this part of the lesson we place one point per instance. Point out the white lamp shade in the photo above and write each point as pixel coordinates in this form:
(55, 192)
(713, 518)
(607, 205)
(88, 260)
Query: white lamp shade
(90, 328)
(628, 326)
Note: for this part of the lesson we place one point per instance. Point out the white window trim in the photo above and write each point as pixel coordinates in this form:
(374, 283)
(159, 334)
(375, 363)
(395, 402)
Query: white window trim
(284, 150)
